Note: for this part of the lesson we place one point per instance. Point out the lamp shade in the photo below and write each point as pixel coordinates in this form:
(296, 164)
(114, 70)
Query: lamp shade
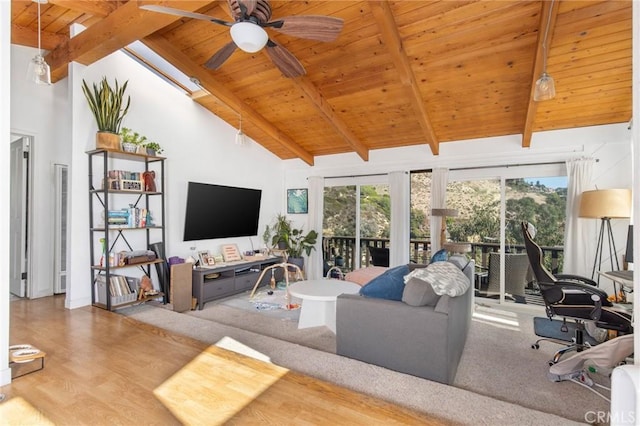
(248, 36)
(545, 88)
(38, 71)
(601, 203)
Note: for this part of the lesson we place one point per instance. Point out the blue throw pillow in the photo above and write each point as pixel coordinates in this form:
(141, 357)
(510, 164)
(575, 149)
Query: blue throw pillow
(389, 285)
(439, 256)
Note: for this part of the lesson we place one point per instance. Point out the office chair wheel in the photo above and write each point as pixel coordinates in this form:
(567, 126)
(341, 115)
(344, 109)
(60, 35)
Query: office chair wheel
(535, 346)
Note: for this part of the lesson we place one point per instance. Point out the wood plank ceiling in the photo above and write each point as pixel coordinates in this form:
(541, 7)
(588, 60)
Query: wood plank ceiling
(400, 73)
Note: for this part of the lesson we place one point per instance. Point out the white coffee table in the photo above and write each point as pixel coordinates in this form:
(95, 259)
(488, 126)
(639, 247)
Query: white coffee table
(319, 300)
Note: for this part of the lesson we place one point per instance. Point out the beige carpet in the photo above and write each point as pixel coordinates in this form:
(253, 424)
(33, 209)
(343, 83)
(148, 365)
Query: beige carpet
(497, 363)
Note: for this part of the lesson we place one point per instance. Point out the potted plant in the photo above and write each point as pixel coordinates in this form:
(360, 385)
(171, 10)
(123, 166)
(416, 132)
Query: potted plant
(297, 243)
(153, 148)
(107, 105)
(281, 230)
(131, 140)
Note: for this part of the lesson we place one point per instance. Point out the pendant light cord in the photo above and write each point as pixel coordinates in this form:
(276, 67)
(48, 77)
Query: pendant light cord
(544, 42)
(39, 48)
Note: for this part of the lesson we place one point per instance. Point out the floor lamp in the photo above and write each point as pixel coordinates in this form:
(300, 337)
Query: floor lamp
(605, 204)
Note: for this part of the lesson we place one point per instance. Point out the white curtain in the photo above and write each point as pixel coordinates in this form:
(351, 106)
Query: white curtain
(400, 217)
(314, 268)
(439, 179)
(579, 248)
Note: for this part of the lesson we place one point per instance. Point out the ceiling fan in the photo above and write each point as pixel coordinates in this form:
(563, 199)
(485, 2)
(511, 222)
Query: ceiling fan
(251, 17)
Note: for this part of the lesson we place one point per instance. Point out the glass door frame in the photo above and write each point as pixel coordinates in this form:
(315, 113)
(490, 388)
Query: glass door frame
(502, 173)
(357, 181)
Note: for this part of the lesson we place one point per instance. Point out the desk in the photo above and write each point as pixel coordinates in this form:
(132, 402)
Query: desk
(319, 300)
(626, 285)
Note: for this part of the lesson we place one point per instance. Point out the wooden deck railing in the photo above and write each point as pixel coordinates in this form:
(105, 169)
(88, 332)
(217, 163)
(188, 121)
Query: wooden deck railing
(340, 251)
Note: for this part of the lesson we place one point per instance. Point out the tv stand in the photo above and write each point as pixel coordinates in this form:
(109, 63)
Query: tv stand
(216, 282)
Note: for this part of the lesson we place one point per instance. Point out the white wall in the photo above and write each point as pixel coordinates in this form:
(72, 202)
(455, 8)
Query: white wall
(198, 146)
(5, 134)
(40, 111)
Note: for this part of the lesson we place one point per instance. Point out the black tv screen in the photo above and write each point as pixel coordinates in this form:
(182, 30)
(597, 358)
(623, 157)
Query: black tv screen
(216, 211)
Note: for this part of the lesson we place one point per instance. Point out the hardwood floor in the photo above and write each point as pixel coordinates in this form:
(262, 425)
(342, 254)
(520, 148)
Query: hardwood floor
(103, 368)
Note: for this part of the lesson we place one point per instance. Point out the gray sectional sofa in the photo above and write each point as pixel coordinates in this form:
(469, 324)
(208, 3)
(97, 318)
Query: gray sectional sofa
(424, 341)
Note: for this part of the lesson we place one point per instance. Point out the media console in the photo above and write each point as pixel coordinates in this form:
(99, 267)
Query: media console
(216, 282)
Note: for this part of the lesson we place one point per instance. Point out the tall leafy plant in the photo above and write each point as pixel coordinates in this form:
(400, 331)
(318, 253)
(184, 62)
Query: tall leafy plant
(106, 104)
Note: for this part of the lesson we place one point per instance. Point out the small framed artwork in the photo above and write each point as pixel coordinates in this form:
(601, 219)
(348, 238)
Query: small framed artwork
(204, 257)
(297, 201)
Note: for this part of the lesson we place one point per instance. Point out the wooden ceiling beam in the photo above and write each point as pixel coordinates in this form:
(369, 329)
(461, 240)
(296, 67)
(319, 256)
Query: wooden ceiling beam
(96, 8)
(323, 107)
(165, 49)
(538, 65)
(389, 30)
(125, 25)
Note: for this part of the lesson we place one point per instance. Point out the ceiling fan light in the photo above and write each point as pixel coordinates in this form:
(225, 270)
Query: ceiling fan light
(249, 37)
(545, 88)
(39, 71)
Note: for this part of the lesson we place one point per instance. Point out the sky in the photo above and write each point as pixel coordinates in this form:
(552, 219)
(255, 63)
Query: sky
(549, 182)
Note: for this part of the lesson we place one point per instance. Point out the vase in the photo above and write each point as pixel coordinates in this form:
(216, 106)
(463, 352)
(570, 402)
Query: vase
(108, 140)
(298, 261)
(129, 147)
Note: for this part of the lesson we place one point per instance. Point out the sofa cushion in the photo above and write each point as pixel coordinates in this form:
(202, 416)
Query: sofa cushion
(444, 277)
(364, 275)
(419, 293)
(389, 285)
(439, 256)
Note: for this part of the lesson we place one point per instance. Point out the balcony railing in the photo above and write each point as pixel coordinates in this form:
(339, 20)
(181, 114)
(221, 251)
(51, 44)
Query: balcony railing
(341, 251)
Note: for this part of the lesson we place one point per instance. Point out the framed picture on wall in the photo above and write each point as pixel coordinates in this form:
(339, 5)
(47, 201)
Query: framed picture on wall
(297, 201)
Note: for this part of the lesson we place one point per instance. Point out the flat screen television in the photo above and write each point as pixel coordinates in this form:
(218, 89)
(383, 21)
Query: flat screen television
(217, 211)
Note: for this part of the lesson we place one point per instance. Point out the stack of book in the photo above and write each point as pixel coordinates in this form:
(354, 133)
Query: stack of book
(118, 217)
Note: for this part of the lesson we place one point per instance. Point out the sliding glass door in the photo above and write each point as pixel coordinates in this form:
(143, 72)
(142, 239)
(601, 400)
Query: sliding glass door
(355, 217)
(491, 210)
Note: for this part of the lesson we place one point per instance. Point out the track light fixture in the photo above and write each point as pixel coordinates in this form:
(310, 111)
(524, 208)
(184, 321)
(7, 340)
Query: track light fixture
(39, 71)
(545, 86)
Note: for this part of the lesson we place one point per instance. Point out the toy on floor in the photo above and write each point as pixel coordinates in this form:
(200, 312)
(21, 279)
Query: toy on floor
(601, 359)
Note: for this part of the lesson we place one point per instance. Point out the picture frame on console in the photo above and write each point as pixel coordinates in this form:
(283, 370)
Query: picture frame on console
(205, 258)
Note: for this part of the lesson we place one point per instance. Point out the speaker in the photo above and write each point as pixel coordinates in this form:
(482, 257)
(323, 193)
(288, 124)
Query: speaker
(162, 269)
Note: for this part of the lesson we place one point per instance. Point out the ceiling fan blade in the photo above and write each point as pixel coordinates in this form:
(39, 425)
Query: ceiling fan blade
(220, 56)
(313, 27)
(284, 60)
(178, 12)
(250, 5)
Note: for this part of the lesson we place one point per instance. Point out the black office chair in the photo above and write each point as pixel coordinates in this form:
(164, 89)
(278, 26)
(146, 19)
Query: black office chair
(571, 297)
(379, 256)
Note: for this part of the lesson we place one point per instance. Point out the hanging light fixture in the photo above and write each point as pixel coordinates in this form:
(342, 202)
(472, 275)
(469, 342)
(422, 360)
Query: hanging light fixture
(240, 137)
(545, 87)
(39, 71)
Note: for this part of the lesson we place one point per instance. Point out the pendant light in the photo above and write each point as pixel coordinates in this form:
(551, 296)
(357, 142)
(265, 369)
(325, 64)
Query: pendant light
(39, 71)
(240, 137)
(545, 87)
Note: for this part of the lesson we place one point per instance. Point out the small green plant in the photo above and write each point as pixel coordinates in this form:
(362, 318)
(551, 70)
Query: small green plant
(129, 136)
(154, 146)
(298, 242)
(106, 104)
(295, 241)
